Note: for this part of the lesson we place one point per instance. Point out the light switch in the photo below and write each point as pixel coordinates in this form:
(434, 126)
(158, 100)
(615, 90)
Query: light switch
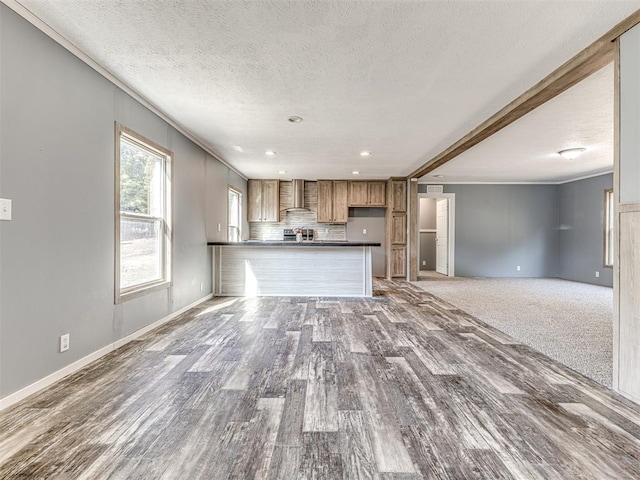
(219, 227)
(364, 231)
(5, 209)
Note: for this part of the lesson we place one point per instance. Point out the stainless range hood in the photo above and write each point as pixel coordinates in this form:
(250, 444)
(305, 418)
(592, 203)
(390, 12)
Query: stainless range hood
(297, 194)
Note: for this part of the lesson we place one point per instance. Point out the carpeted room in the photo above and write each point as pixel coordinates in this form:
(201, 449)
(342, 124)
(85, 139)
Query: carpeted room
(555, 233)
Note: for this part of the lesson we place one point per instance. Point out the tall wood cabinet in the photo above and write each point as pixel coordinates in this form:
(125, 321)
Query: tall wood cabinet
(333, 201)
(264, 201)
(371, 193)
(396, 220)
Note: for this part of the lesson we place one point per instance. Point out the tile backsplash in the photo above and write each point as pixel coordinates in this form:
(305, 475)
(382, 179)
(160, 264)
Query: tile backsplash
(305, 219)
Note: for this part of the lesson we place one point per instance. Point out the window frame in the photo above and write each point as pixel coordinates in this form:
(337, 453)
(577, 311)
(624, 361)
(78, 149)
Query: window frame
(135, 291)
(608, 224)
(231, 188)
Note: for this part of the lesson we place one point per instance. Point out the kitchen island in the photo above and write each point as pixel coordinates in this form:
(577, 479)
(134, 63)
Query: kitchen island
(298, 269)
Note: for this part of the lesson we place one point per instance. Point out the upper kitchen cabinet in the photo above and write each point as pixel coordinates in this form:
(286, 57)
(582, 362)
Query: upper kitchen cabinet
(332, 201)
(364, 193)
(264, 201)
(398, 196)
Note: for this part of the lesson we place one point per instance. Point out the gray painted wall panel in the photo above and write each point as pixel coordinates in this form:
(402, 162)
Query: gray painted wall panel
(57, 254)
(501, 226)
(582, 230)
(371, 219)
(427, 251)
(427, 213)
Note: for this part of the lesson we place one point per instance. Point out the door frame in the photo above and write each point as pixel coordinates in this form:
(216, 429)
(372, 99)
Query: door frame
(451, 230)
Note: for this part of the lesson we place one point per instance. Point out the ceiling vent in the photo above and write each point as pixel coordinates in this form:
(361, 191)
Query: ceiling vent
(435, 189)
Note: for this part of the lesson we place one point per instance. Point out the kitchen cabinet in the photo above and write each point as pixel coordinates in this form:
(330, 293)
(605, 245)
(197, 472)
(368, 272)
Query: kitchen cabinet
(398, 228)
(396, 220)
(332, 201)
(398, 200)
(377, 194)
(264, 201)
(398, 261)
(363, 193)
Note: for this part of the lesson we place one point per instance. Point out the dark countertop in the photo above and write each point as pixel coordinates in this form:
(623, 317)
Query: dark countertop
(308, 243)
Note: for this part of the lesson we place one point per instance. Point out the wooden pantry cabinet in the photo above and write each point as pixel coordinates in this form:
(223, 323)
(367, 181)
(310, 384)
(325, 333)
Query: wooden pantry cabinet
(396, 220)
(398, 262)
(367, 193)
(264, 201)
(333, 201)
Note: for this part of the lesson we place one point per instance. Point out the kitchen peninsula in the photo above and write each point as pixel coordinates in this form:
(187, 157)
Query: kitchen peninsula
(300, 269)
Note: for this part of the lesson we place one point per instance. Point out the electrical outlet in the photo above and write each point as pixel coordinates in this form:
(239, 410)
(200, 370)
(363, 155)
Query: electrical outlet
(518, 268)
(364, 231)
(597, 274)
(201, 286)
(5, 209)
(64, 342)
(424, 262)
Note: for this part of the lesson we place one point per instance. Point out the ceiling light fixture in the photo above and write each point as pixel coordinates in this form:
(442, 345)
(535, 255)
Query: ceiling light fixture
(571, 153)
(282, 172)
(438, 176)
(365, 154)
(356, 172)
(271, 153)
(237, 148)
(295, 119)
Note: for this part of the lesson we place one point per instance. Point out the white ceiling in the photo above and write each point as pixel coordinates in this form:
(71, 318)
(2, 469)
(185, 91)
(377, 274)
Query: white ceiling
(403, 79)
(527, 150)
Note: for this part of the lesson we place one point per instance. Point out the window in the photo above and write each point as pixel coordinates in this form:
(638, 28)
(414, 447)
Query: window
(609, 220)
(235, 215)
(143, 215)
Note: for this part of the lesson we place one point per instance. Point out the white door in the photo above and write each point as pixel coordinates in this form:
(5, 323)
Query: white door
(442, 245)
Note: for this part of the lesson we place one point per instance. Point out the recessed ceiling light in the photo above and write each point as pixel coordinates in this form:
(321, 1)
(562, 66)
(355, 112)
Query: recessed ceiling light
(295, 119)
(237, 148)
(282, 172)
(571, 153)
(438, 176)
(356, 172)
(271, 153)
(365, 154)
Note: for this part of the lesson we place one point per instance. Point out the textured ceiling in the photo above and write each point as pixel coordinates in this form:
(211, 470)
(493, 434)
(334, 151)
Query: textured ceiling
(527, 150)
(403, 79)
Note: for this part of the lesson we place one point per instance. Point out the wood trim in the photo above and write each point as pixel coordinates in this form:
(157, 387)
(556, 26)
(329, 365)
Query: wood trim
(413, 230)
(626, 207)
(588, 61)
(615, 381)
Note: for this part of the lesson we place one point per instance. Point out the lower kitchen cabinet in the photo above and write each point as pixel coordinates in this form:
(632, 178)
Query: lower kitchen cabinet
(398, 261)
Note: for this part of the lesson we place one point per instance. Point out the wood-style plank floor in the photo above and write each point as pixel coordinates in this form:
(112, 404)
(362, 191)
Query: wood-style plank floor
(401, 386)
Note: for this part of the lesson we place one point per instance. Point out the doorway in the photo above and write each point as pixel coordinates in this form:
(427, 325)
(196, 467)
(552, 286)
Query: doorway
(436, 234)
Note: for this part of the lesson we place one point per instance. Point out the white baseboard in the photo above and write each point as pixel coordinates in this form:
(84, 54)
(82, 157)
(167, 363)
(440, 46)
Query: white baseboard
(83, 362)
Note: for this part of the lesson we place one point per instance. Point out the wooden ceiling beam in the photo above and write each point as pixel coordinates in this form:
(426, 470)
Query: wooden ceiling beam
(585, 63)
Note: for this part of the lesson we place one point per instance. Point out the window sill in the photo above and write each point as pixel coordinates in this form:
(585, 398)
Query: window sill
(140, 292)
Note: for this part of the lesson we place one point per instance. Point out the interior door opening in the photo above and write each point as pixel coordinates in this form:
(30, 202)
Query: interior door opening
(436, 234)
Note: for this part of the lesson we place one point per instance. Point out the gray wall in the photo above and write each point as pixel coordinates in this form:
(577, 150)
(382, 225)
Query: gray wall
(56, 164)
(582, 230)
(427, 220)
(427, 251)
(373, 220)
(501, 226)
(549, 230)
(427, 213)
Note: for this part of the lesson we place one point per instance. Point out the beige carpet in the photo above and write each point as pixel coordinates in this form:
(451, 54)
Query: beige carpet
(570, 322)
